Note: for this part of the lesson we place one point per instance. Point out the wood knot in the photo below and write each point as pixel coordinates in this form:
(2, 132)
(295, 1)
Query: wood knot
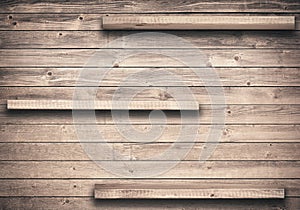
(80, 18)
(9, 17)
(248, 83)
(212, 195)
(49, 73)
(164, 96)
(60, 34)
(237, 58)
(209, 64)
(14, 23)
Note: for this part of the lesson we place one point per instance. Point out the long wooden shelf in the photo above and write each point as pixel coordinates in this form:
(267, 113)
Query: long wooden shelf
(101, 105)
(143, 191)
(185, 22)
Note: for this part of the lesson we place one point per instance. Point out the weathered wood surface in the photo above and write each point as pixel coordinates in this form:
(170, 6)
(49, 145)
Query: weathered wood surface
(101, 105)
(78, 21)
(85, 187)
(234, 114)
(163, 95)
(110, 133)
(185, 193)
(62, 77)
(212, 22)
(36, 34)
(70, 203)
(140, 151)
(215, 58)
(100, 39)
(184, 169)
(143, 6)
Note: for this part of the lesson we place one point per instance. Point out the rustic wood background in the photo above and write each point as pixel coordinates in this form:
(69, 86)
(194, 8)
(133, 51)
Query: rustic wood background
(45, 43)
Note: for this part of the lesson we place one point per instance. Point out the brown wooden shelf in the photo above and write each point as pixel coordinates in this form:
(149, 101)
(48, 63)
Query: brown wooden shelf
(186, 22)
(144, 191)
(101, 105)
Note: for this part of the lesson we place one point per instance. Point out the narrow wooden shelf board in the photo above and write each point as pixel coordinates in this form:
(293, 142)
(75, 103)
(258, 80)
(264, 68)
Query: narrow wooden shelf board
(101, 105)
(163, 192)
(184, 22)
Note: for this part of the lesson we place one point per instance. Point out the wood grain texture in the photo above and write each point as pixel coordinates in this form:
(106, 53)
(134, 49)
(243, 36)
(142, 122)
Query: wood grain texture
(140, 151)
(185, 193)
(110, 133)
(215, 58)
(76, 21)
(184, 169)
(69, 203)
(198, 23)
(85, 187)
(143, 6)
(159, 95)
(51, 37)
(63, 77)
(101, 105)
(234, 114)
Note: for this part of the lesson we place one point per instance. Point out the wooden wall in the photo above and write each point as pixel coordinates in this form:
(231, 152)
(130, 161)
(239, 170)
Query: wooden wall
(45, 43)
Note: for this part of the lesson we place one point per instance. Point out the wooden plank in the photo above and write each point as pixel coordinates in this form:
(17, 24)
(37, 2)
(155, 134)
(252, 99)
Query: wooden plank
(78, 21)
(143, 6)
(85, 187)
(203, 39)
(215, 58)
(184, 193)
(63, 77)
(69, 203)
(184, 169)
(110, 133)
(159, 95)
(98, 39)
(140, 151)
(212, 22)
(234, 114)
(101, 105)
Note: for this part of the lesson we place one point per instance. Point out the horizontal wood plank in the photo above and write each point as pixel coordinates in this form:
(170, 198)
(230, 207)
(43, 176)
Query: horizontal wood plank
(184, 169)
(159, 95)
(100, 105)
(85, 187)
(144, 151)
(212, 22)
(69, 203)
(79, 21)
(143, 6)
(234, 114)
(110, 133)
(151, 58)
(185, 193)
(99, 39)
(63, 77)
